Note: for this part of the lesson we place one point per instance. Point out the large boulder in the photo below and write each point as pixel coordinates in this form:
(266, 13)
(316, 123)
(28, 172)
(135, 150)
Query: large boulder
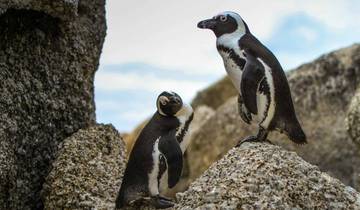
(88, 170)
(321, 92)
(353, 118)
(264, 176)
(47, 67)
(63, 9)
(7, 161)
(215, 95)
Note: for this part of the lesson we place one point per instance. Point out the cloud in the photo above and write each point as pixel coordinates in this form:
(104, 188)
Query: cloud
(153, 46)
(164, 33)
(144, 82)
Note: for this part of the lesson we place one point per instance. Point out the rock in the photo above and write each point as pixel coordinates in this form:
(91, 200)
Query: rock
(87, 172)
(264, 176)
(6, 171)
(321, 91)
(63, 9)
(215, 95)
(47, 68)
(202, 114)
(353, 118)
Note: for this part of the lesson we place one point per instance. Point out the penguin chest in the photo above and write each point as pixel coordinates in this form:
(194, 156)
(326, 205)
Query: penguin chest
(234, 64)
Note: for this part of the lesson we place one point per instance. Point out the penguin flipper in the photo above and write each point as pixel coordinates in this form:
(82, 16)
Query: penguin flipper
(243, 111)
(170, 148)
(251, 77)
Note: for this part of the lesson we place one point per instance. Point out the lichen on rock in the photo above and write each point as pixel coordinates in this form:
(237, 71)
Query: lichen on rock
(88, 170)
(264, 176)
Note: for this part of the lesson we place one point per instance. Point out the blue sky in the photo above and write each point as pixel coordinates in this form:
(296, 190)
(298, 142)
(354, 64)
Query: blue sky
(154, 45)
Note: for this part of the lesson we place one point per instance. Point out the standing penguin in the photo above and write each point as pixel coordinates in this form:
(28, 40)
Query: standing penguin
(263, 89)
(156, 160)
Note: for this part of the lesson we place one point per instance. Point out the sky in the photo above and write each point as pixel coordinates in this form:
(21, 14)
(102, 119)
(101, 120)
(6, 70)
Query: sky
(154, 45)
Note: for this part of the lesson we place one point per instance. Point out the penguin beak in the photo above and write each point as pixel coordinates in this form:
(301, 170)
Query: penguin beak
(209, 24)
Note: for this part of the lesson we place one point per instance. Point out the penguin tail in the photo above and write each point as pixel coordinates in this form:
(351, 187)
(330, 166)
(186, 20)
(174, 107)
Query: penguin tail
(295, 132)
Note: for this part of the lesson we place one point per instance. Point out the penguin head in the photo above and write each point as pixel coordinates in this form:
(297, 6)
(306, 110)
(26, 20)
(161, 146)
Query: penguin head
(225, 23)
(168, 103)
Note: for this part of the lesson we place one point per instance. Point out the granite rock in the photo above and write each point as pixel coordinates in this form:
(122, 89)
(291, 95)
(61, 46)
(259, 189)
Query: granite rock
(63, 9)
(87, 172)
(47, 67)
(264, 176)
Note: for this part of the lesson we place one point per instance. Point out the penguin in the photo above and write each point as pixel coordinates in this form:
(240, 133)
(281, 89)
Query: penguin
(264, 94)
(156, 160)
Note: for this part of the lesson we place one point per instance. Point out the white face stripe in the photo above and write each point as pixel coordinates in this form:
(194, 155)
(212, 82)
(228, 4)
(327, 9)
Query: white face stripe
(231, 40)
(159, 109)
(234, 15)
(153, 176)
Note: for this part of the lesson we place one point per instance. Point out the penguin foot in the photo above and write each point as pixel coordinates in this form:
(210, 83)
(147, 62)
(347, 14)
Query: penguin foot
(247, 139)
(252, 139)
(160, 202)
(165, 198)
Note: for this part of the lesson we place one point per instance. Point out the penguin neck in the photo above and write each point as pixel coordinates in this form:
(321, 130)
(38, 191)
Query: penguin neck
(165, 122)
(230, 40)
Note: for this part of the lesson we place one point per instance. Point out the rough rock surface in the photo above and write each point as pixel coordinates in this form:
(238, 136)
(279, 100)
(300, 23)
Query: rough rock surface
(6, 176)
(87, 173)
(263, 176)
(63, 9)
(353, 118)
(321, 91)
(215, 95)
(47, 67)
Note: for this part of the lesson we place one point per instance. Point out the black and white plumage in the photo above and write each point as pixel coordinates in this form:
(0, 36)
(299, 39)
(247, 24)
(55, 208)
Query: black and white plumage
(156, 160)
(257, 75)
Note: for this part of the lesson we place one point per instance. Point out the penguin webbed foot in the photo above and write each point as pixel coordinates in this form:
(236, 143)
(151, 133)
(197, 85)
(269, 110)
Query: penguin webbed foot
(247, 139)
(243, 111)
(260, 137)
(161, 202)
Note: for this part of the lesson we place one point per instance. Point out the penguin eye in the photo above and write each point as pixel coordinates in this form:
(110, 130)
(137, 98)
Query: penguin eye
(223, 18)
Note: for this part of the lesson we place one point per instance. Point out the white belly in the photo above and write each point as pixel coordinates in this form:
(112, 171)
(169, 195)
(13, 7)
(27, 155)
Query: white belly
(233, 70)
